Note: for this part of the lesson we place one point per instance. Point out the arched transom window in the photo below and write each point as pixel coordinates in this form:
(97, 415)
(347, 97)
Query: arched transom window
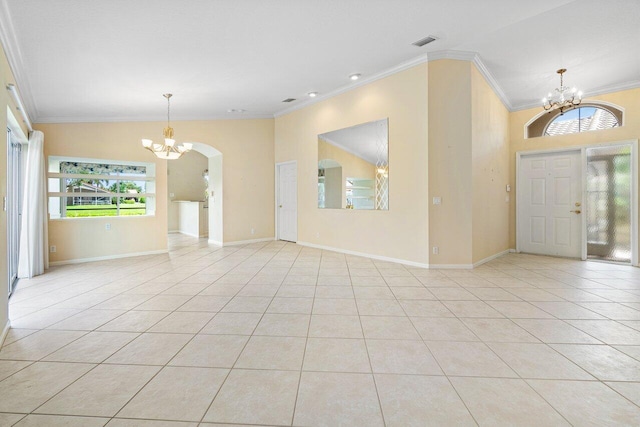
(581, 119)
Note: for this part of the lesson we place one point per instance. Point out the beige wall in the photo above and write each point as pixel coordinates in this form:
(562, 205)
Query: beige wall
(402, 231)
(490, 160)
(628, 100)
(450, 172)
(468, 165)
(185, 182)
(248, 174)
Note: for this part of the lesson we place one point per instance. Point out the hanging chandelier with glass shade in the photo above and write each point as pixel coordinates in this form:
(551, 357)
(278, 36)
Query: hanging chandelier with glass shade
(169, 150)
(562, 98)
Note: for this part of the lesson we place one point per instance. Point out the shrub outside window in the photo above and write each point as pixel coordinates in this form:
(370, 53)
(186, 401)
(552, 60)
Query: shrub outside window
(82, 188)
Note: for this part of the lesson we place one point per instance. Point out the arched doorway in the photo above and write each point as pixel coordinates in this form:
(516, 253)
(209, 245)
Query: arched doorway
(213, 191)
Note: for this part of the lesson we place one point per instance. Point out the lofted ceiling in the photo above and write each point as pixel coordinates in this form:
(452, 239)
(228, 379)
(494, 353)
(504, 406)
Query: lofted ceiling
(111, 60)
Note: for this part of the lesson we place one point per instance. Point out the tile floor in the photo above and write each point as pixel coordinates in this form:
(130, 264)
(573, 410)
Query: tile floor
(277, 334)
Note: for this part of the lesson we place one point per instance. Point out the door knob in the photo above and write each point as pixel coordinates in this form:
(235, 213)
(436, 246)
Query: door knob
(280, 206)
(578, 204)
(576, 211)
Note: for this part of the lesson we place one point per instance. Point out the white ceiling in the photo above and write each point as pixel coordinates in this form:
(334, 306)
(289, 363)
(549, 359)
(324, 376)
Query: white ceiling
(111, 60)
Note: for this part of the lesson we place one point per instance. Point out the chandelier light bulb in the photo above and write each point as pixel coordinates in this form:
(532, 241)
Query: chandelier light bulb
(562, 98)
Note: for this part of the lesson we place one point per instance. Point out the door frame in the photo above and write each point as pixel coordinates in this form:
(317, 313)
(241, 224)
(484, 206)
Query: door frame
(583, 162)
(277, 192)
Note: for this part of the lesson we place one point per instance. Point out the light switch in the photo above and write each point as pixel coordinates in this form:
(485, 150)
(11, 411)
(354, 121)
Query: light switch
(437, 200)
(508, 188)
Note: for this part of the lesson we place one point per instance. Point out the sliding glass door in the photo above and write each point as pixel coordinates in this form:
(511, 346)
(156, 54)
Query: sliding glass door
(13, 205)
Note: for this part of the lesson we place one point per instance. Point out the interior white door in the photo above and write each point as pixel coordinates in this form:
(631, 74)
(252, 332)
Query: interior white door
(550, 204)
(287, 207)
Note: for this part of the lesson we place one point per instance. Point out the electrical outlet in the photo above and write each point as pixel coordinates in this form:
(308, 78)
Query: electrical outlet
(107, 227)
(436, 250)
(253, 231)
(52, 248)
(172, 195)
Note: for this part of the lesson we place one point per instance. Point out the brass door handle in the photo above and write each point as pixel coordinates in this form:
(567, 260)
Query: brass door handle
(576, 211)
(280, 206)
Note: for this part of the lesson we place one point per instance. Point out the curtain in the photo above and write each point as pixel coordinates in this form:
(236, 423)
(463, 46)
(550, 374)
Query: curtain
(34, 257)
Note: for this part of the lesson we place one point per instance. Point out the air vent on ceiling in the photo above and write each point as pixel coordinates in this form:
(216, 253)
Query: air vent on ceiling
(424, 41)
(289, 100)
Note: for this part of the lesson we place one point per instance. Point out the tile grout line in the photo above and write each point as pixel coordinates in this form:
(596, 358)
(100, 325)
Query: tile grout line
(249, 339)
(306, 342)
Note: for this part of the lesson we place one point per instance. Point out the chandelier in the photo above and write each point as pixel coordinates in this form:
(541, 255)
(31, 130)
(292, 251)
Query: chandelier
(169, 150)
(562, 98)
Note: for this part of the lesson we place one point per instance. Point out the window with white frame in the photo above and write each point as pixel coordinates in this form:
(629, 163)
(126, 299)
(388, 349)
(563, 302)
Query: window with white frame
(582, 119)
(82, 188)
(589, 116)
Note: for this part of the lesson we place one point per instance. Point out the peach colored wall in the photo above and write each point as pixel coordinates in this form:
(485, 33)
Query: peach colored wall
(629, 100)
(402, 231)
(248, 174)
(490, 159)
(468, 165)
(450, 171)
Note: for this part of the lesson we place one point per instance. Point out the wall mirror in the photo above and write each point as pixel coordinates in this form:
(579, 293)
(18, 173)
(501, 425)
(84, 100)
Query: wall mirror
(353, 167)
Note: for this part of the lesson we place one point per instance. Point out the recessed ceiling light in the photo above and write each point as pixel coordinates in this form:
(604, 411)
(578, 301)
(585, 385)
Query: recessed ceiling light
(354, 76)
(234, 110)
(313, 94)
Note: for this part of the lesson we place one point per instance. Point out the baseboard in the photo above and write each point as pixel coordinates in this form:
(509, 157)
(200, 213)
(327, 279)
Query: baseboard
(108, 257)
(246, 242)
(512, 251)
(451, 266)
(173, 231)
(5, 331)
(214, 242)
(470, 266)
(490, 258)
(190, 234)
(365, 255)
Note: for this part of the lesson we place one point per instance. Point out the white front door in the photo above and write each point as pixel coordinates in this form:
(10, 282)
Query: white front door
(550, 204)
(287, 202)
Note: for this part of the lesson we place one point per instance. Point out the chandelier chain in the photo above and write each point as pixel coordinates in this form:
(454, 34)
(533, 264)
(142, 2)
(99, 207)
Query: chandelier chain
(169, 150)
(562, 98)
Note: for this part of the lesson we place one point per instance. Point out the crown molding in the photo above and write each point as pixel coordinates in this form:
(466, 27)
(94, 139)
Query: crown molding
(633, 84)
(433, 56)
(474, 57)
(130, 119)
(460, 55)
(492, 82)
(16, 63)
(363, 81)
